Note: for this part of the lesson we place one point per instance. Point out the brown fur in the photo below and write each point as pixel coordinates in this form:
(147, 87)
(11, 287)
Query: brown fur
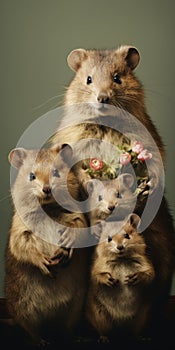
(108, 111)
(80, 97)
(121, 283)
(110, 198)
(84, 106)
(45, 283)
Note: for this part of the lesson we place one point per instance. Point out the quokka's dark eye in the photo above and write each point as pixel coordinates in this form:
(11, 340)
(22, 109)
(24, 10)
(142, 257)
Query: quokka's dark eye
(126, 235)
(117, 79)
(100, 197)
(56, 173)
(109, 238)
(119, 195)
(32, 176)
(89, 80)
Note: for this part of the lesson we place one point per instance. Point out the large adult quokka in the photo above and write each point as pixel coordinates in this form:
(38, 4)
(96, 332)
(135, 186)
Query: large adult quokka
(105, 102)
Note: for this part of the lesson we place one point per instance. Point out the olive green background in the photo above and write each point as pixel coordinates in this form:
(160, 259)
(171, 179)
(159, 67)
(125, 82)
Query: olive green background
(36, 37)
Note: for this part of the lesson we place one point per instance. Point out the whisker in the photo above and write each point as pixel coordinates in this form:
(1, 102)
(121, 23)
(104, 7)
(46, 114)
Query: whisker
(118, 104)
(6, 197)
(49, 100)
(88, 92)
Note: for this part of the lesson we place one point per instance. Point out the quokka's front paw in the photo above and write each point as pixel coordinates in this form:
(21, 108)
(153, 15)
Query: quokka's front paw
(107, 279)
(67, 238)
(132, 279)
(147, 187)
(61, 256)
(43, 263)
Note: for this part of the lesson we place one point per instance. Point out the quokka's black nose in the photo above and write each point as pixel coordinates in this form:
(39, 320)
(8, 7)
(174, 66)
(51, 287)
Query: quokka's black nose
(103, 98)
(111, 208)
(47, 189)
(120, 247)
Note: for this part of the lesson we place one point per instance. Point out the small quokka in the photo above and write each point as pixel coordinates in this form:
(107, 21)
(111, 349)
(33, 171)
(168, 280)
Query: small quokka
(110, 198)
(45, 282)
(121, 282)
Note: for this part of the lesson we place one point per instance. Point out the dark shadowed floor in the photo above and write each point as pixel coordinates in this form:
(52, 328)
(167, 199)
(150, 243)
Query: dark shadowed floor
(13, 336)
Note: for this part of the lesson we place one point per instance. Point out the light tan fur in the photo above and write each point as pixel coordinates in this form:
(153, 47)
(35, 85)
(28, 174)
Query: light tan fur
(110, 198)
(122, 276)
(106, 110)
(103, 99)
(45, 281)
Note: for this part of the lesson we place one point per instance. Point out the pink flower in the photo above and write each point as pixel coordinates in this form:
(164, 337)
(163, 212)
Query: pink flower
(96, 164)
(125, 158)
(144, 155)
(137, 147)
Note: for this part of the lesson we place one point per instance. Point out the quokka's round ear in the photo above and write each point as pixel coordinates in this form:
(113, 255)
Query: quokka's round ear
(94, 185)
(17, 156)
(132, 57)
(66, 153)
(89, 186)
(134, 220)
(126, 180)
(130, 54)
(64, 149)
(56, 147)
(75, 58)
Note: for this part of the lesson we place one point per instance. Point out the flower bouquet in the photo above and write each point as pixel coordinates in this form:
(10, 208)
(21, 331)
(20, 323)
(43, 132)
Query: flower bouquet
(134, 155)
